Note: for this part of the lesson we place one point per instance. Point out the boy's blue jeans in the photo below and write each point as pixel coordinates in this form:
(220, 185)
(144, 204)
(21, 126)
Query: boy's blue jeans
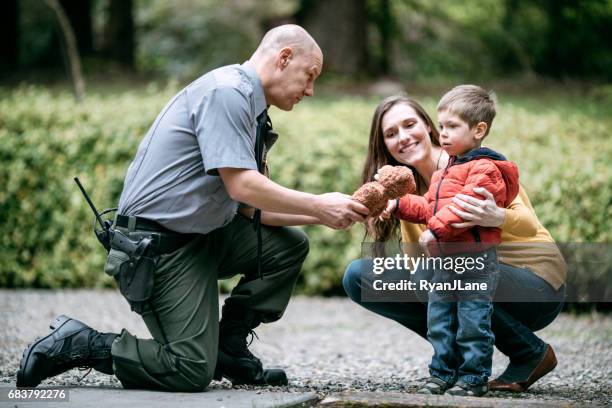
(459, 321)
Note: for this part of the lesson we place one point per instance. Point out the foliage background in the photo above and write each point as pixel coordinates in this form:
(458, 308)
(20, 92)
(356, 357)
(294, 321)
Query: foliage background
(550, 62)
(558, 137)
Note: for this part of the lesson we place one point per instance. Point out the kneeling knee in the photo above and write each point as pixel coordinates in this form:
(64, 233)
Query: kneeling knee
(199, 379)
(304, 245)
(298, 242)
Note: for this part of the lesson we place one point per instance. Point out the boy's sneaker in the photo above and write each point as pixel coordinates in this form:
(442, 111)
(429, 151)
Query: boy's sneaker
(433, 386)
(468, 390)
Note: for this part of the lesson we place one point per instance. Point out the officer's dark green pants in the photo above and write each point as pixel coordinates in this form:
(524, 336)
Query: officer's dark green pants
(186, 302)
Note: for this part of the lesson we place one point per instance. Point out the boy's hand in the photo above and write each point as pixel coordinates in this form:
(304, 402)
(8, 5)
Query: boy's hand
(388, 211)
(426, 238)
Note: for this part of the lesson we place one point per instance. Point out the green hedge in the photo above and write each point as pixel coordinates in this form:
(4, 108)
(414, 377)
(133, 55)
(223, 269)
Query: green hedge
(560, 144)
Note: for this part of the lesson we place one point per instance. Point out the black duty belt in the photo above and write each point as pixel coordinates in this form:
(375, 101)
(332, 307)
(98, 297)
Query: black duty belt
(142, 224)
(169, 241)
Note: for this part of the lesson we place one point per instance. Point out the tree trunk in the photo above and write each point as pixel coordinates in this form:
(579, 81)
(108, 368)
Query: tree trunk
(78, 13)
(555, 44)
(9, 46)
(71, 49)
(119, 32)
(385, 24)
(514, 52)
(339, 27)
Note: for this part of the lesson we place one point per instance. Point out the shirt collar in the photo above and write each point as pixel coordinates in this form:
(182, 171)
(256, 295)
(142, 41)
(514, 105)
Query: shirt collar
(258, 93)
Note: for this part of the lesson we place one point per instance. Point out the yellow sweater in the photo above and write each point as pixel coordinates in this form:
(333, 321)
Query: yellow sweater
(525, 242)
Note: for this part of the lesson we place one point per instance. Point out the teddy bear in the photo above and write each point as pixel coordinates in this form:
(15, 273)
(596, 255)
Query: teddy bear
(393, 182)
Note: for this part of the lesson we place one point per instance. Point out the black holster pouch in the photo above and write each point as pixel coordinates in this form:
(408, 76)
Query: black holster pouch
(132, 261)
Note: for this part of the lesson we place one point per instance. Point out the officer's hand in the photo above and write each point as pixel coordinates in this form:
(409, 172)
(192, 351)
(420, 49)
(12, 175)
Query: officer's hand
(342, 225)
(338, 211)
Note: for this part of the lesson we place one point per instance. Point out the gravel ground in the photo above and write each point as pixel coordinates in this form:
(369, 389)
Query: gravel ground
(325, 345)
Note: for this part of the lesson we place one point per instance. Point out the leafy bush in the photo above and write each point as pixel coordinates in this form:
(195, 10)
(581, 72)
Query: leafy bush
(45, 140)
(560, 143)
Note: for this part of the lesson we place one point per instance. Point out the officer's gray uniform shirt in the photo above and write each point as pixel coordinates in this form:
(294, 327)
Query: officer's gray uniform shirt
(208, 125)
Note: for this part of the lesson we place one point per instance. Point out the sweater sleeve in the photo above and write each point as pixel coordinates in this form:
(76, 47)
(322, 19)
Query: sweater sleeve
(412, 208)
(483, 174)
(519, 220)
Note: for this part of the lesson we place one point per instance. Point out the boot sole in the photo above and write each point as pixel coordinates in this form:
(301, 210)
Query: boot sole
(242, 382)
(54, 326)
(218, 376)
(280, 381)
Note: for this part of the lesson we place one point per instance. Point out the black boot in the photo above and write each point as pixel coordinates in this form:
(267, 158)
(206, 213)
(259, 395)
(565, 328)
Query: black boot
(235, 362)
(70, 344)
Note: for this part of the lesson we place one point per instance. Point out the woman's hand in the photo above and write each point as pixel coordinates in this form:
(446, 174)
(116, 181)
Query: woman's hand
(473, 211)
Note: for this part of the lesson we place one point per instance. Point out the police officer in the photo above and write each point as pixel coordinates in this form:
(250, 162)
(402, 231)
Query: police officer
(196, 164)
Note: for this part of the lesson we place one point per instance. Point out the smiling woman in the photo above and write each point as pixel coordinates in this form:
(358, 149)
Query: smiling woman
(404, 133)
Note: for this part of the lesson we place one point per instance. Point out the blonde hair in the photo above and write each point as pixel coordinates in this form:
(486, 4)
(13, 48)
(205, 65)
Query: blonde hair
(471, 103)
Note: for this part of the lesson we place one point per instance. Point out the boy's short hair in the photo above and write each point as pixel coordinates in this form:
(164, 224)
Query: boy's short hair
(471, 103)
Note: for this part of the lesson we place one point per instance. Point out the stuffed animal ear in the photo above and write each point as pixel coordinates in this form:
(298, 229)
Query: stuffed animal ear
(397, 180)
(371, 195)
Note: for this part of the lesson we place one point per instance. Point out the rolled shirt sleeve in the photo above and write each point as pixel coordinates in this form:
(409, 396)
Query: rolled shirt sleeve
(225, 129)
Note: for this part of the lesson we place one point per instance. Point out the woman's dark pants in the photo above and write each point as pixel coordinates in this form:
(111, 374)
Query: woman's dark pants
(513, 322)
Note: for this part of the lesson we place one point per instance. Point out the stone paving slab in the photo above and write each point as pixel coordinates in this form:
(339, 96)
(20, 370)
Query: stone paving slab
(396, 399)
(97, 397)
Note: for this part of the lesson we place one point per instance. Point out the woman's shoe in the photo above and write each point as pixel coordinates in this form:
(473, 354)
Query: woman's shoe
(545, 366)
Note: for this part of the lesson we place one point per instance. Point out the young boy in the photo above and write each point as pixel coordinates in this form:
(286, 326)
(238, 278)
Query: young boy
(459, 320)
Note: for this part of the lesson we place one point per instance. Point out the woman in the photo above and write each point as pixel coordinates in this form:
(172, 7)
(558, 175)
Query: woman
(531, 265)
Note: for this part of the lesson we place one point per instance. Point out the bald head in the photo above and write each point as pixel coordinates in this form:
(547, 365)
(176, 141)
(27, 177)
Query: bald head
(287, 61)
(288, 35)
